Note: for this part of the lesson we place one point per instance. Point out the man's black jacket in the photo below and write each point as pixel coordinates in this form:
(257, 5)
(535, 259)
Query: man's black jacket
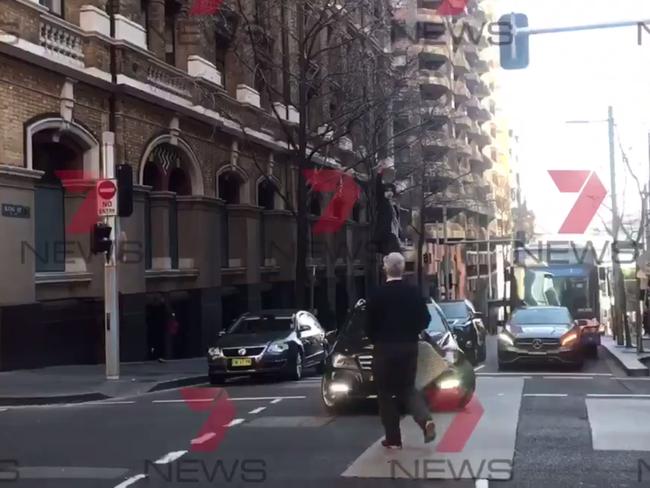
(396, 313)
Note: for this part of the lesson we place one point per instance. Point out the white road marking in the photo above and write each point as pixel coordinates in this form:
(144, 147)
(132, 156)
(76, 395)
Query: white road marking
(546, 395)
(481, 484)
(616, 395)
(189, 400)
(257, 410)
(478, 368)
(112, 402)
(544, 374)
(170, 457)
(234, 422)
(631, 379)
(131, 480)
(204, 438)
(555, 377)
(242, 399)
(3, 409)
(619, 424)
(277, 400)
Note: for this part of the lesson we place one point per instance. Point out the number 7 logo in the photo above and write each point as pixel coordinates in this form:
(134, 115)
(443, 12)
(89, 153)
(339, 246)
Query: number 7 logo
(347, 193)
(591, 191)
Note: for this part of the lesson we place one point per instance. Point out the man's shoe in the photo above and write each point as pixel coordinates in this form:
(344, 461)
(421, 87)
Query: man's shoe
(429, 431)
(390, 445)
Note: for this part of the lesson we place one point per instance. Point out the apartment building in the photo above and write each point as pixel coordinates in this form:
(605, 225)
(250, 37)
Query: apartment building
(455, 144)
(182, 98)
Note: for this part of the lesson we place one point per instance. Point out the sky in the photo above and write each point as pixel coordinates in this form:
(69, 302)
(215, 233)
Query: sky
(575, 76)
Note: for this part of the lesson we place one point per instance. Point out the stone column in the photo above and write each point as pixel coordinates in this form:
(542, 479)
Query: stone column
(160, 246)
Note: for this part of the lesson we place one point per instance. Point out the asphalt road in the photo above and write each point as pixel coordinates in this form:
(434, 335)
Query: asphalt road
(551, 428)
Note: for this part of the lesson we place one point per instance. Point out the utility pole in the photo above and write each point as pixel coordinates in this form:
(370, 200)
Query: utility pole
(111, 287)
(111, 300)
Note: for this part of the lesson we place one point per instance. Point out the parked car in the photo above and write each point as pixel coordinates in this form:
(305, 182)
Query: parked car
(468, 328)
(279, 342)
(540, 334)
(348, 377)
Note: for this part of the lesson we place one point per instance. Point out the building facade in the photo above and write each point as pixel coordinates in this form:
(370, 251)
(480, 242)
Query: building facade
(454, 195)
(181, 100)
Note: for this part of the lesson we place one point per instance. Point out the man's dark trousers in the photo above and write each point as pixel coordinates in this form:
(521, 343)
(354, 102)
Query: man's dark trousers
(395, 366)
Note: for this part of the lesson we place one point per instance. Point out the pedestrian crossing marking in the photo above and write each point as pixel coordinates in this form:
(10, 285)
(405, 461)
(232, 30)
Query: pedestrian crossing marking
(488, 454)
(619, 424)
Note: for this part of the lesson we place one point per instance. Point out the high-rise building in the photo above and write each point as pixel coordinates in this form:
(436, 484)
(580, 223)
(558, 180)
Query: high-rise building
(446, 161)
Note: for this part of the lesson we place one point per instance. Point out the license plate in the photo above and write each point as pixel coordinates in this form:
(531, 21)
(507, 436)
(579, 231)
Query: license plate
(239, 362)
(537, 353)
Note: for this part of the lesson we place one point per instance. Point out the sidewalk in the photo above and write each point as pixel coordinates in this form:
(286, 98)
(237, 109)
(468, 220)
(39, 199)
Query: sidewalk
(634, 364)
(83, 383)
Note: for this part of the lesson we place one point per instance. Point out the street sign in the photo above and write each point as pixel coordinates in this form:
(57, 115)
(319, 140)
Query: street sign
(106, 198)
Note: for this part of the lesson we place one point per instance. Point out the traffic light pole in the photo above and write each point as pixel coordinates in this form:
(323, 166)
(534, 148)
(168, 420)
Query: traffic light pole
(111, 303)
(575, 28)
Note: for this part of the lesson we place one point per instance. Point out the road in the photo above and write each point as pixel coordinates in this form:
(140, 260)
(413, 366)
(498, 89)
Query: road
(538, 428)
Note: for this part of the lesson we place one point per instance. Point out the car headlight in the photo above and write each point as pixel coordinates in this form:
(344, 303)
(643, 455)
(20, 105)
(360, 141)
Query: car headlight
(449, 384)
(215, 352)
(278, 347)
(506, 339)
(569, 339)
(344, 362)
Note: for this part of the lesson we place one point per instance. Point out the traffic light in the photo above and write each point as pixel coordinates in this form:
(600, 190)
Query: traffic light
(124, 176)
(100, 239)
(514, 46)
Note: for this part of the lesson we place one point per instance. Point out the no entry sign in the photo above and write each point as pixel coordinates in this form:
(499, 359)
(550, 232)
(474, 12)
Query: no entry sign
(107, 198)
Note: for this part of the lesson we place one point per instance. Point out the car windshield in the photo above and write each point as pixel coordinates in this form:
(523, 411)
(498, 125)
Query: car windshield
(257, 325)
(437, 322)
(454, 310)
(542, 316)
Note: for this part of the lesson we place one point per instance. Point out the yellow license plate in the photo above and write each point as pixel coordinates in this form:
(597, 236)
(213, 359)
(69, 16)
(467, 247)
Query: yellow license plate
(241, 362)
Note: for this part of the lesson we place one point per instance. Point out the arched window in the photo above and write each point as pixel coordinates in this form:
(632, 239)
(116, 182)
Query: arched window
(179, 183)
(67, 155)
(229, 186)
(173, 168)
(266, 194)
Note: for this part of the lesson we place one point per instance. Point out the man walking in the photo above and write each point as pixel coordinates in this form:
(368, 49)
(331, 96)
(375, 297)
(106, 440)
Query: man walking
(397, 314)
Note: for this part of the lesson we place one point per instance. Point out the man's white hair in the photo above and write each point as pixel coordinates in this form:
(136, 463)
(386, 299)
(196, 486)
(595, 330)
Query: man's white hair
(394, 265)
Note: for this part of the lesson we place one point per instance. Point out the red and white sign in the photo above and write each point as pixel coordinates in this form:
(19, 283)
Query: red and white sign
(107, 198)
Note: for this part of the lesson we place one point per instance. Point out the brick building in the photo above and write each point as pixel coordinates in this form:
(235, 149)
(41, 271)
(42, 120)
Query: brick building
(210, 236)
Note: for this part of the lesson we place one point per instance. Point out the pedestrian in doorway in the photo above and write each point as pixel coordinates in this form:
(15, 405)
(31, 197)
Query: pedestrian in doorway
(397, 314)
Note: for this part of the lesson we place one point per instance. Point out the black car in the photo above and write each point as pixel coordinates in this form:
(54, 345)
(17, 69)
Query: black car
(540, 334)
(348, 376)
(282, 342)
(467, 325)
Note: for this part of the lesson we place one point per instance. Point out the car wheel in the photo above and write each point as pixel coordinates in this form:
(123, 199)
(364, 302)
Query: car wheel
(579, 365)
(296, 366)
(484, 351)
(502, 366)
(331, 407)
(216, 379)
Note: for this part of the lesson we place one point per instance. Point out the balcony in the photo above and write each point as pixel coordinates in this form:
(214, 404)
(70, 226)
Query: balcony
(432, 109)
(461, 91)
(460, 63)
(482, 66)
(61, 40)
(433, 51)
(433, 78)
(463, 120)
(437, 139)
